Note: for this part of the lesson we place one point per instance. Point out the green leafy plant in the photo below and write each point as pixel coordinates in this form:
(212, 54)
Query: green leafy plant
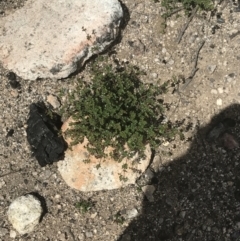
(84, 206)
(118, 218)
(116, 108)
(122, 178)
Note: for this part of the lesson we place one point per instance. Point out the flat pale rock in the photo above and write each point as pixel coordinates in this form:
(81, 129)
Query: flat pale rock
(51, 39)
(90, 177)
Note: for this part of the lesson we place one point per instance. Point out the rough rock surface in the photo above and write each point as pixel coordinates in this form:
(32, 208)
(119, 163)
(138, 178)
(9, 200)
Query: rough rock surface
(50, 39)
(43, 135)
(24, 213)
(90, 177)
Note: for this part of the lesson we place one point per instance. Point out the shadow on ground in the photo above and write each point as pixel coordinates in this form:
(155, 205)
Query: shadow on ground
(197, 196)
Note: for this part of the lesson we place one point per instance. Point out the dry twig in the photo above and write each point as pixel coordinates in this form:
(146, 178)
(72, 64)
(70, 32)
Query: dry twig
(9, 173)
(195, 69)
(187, 24)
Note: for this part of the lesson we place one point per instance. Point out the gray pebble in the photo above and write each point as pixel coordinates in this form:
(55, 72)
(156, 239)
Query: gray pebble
(148, 191)
(130, 213)
(89, 234)
(182, 214)
(154, 75)
(3, 232)
(211, 68)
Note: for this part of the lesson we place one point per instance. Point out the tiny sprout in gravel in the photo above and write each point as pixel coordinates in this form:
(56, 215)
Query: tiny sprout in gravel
(84, 206)
(117, 109)
(172, 6)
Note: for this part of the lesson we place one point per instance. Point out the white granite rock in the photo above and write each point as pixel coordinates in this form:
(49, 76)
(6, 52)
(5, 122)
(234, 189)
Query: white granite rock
(91, 177)
(24, 213)
(51, 39)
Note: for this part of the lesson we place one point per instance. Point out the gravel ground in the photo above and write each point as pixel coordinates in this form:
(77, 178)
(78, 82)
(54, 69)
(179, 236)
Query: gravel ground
(197, 183)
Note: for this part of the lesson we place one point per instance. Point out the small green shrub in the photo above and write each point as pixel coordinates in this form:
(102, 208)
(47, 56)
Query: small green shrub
(118, 218)
(116, 108)
(84, 206)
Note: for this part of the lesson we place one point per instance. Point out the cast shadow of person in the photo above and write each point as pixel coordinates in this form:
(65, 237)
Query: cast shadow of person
(197, 196)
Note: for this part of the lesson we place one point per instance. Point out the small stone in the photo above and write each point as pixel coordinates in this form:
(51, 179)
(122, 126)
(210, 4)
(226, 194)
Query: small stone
(10, 133)
(164, 50)
(146, 178)
(89, 234)
(3, 232)
(211, 68)
(220, 90)
(81, 236)
(229, 78)
(172, 23)
(156, 163)
(154, 75)
(148, 174)
(125, 237)
(160, 220)
(182, 214)
(213, 91)
(179, 229)
(57, 196)
(219, 102)
(13, 234)
(11, 76)
(229, 141)
(192, 38)
(46, 174)
(94, 215)
(14, 93)
(238, 225)
(24, 213)
(130, 213)
(13, 80)
(2, 183)
(220, 20)
(166, 143)
(138, 47)
(148, 191)
(169, 202)
(53, 101)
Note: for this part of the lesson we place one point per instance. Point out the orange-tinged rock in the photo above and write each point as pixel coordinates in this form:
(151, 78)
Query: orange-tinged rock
(90, 176)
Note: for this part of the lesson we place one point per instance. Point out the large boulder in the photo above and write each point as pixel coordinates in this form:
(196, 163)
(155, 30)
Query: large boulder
(98, 174)
(51, 39)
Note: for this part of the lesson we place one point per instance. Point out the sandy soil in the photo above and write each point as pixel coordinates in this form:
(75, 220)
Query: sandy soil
(197, 183)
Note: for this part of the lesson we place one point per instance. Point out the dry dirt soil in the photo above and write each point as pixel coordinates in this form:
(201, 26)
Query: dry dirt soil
(197, 182)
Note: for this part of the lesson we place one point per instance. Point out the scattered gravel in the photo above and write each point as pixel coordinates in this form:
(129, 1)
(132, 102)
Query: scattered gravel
(196, 182)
